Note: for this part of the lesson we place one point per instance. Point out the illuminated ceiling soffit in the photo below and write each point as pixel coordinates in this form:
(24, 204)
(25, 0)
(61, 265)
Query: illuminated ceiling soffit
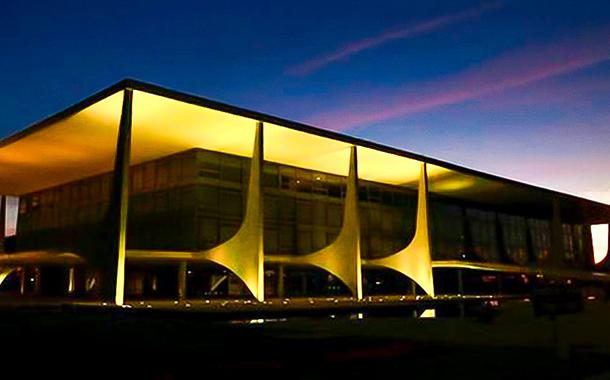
(163, 126)
(77, 146)
(378, 166)
(306, 150)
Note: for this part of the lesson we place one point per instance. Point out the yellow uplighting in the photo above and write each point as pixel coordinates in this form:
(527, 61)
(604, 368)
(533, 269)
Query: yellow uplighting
(428, 313)
(84, 144)
(448, 181)
(414, 261)
(162, 126)
(306, 150)
(378, 166)
(78, 146)
(4, 273)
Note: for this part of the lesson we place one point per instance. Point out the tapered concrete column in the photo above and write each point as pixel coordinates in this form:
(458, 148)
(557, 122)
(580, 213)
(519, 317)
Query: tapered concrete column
(5, 272)
(342, 257)
(415, 260)
(71, 280)
(243, 253)
(22, 280)
(113, 277)
(182, 280)
(2, 221)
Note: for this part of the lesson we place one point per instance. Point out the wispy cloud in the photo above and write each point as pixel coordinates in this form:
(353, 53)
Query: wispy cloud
(394, 34)
(512, 70)
(579, 93)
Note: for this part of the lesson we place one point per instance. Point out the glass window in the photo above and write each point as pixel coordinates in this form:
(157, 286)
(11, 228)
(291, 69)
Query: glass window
(209, 164)
(162, 174)
(304, 181)
(287, 208)
(482, 226)
(148, 176)
(270, 175)
(231, 203)
(447, 233)
(319, 183)
(540, 231)
(568, 242)
(271, 240)
(304, 243)
(174, 175)
(334, 215)
(514, 235)
(304, 212)
(286, 239)
(231, 169)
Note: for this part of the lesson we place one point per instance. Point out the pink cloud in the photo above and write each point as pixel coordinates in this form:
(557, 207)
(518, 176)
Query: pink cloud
(512, 70)
(573, 93)
(564, 156)
(401, 33)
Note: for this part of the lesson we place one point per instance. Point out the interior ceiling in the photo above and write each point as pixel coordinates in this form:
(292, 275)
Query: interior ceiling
(84, 144)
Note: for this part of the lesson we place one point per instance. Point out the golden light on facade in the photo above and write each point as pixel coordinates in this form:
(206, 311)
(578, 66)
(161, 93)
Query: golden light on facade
(414, 261)
(163, 126)
(84, 144)
(448, 181)
(5, 272)
(72, 148)
(305, 150)
(342, 257)
(382, 167)
(242, 254)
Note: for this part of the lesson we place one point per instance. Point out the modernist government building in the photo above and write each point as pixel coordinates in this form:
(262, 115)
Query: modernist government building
(140, 192)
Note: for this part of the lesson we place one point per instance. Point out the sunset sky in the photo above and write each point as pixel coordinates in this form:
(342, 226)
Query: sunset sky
(516, 88)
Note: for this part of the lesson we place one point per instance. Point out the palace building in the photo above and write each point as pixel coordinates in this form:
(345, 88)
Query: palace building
(141, 192)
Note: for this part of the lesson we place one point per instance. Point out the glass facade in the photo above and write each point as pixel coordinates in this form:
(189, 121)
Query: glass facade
(387, 218)
(540, 231)
(514, 238)
(188, 194)
(195, 200)
(481, 226)
(189, 201)
(447, 230)
(469, 222)
(303, 209)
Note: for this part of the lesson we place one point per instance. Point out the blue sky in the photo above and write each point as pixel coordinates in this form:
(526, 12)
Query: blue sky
(516, 88)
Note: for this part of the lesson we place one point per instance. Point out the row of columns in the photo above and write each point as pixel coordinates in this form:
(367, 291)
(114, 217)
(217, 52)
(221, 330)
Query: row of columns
(243, 253)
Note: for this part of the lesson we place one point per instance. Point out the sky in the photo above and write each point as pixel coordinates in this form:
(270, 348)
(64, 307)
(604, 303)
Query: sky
(520, 89)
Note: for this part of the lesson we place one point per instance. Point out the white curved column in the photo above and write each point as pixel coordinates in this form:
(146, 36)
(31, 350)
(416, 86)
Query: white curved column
(243, 253)
(414, 261)
(342, 257)
(4, 272)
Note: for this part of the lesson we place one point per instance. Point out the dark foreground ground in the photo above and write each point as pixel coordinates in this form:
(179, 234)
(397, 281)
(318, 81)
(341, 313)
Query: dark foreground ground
(55, 343)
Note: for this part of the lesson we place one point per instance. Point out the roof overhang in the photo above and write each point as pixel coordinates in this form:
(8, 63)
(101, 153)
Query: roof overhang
(81, 141)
